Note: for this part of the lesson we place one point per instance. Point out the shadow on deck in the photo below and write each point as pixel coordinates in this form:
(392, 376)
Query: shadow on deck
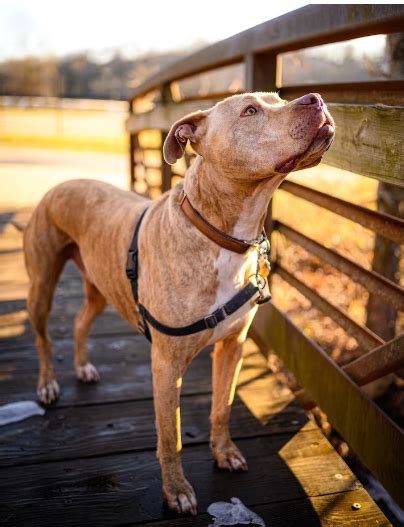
(91, 458)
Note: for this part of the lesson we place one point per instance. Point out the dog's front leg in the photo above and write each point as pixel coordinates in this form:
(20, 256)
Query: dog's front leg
(168, 370)
(227, 360)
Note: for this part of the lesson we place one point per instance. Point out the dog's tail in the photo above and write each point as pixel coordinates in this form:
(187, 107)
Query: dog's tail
(19, 226)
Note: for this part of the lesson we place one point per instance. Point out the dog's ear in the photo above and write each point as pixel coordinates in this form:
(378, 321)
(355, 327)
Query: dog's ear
(186, 128)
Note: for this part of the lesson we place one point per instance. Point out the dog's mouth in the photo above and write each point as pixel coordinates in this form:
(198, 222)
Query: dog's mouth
(313, 154)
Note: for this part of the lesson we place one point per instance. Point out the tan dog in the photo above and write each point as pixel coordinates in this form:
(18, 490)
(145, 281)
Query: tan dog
(246, 145)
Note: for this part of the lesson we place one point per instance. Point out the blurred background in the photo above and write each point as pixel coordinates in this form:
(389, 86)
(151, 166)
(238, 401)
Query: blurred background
(64, 81)
(65, 84)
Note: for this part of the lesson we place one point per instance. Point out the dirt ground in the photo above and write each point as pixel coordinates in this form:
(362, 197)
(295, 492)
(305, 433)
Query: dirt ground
(27, 173)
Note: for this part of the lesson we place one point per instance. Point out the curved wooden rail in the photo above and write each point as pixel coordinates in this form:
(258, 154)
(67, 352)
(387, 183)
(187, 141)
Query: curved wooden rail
(310, 26)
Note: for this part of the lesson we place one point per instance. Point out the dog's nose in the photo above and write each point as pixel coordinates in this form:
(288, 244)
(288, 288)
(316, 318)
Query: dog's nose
(313, 100)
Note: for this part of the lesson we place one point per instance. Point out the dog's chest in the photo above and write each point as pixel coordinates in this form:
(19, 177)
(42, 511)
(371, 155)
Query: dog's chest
(232, 271)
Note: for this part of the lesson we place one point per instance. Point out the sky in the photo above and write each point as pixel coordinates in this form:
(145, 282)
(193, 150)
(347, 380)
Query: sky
(53, 27)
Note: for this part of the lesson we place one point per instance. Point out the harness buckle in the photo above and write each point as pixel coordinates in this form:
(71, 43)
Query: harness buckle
(211, 321)
(214, 318)
(263, 298)
(131, 265)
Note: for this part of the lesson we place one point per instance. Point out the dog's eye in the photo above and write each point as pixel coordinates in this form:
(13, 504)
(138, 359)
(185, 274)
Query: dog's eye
(250, 110)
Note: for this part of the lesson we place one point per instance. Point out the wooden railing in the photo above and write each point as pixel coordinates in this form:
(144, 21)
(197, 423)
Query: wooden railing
(369, 118)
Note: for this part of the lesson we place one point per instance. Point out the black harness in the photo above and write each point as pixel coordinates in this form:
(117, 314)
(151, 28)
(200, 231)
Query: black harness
(208, 322)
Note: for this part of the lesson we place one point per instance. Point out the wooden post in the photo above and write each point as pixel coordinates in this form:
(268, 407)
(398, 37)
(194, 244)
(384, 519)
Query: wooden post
(132, 146)
(166, 98)
(131, 153)
(165, 167)
(262, 73)
(381, 315)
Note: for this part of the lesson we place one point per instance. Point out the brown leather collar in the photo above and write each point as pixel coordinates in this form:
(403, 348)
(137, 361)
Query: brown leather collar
(221, 238)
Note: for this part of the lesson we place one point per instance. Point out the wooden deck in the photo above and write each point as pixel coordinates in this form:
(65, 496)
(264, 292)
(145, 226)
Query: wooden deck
(90, 460)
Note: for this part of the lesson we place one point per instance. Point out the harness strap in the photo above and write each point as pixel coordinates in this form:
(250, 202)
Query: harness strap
(208, 322)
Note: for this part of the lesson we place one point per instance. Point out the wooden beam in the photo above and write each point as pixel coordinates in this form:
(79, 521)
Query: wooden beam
(387, 225)
(312, 25)
(375, 438)
(366, 338)
(373, 282)
(381, 361)
(368, 141)
(260, 72)
(164, 115)
(380, 92)
(165, 167)
(132, 145)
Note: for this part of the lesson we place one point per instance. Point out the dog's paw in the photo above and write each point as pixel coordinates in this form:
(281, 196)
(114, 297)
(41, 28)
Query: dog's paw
(229, 457)
(49, 392)
(181, 498)
(87, 373)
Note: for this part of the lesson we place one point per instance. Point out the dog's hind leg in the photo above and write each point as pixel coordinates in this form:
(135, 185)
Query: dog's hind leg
(227, 360)
(44, 274)
(94, 304)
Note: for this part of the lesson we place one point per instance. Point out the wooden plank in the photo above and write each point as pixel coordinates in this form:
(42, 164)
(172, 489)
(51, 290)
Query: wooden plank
(380, 92)
(165, 167)
(122, 489)
(14, 279)
(309, 26)
(368, 138)
(381, 361)
(370, 280)
(16, 328)
(163, 116)
(349, 411)
(387, 225)
(260, 72)
(368, 141)
(81, 432)
(132, 146)
(123, 364)
(366, 338)
(332, 510)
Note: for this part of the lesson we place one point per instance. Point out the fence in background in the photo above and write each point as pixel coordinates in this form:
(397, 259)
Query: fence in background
(369, 117)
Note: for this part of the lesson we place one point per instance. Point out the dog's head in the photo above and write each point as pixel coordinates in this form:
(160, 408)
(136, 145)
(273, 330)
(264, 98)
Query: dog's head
(256, 135)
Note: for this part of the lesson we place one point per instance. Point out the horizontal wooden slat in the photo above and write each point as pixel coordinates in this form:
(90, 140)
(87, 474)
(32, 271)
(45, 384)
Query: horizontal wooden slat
(380, 92)
(363, 424)
(383, 360)
(214, 96)
(388, 226)
(309, 26)
(163, 116)
(368, 141)
(366, 338)
(372, 281)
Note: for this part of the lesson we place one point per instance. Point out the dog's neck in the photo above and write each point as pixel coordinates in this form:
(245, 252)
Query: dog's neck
(237, 207)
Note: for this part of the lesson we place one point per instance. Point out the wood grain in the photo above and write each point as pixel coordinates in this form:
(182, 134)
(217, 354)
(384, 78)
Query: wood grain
(368, 141)
(113, 490)
(312, 25)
